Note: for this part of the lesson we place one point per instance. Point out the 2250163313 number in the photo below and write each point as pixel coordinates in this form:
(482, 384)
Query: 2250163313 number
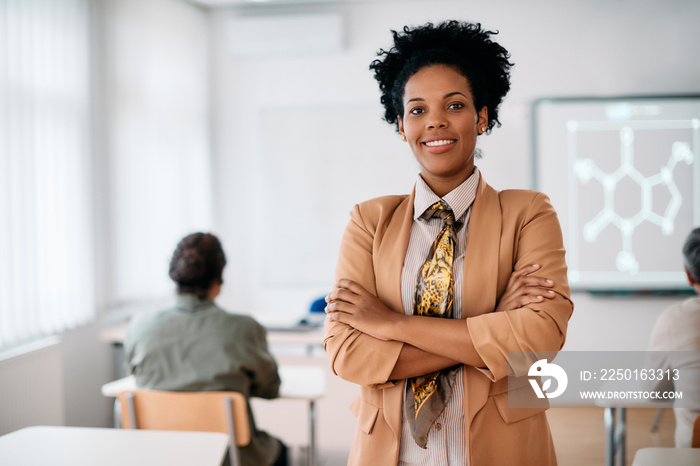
(639, 374)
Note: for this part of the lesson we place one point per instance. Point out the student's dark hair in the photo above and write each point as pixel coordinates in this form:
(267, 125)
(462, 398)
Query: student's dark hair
(691, 254)
(464, 46)
(197, 263)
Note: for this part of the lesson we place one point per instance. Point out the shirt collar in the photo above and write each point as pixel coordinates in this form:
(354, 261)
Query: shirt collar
(191, 302)
(459, 199)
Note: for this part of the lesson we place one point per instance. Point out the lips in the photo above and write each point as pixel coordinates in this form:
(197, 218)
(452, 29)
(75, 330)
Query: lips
(440, 142)
(438, 146)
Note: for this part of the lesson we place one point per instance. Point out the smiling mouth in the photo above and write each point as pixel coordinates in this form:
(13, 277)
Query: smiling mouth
(441, 142)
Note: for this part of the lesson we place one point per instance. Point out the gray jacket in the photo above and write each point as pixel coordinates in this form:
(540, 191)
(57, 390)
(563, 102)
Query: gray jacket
(197, 346)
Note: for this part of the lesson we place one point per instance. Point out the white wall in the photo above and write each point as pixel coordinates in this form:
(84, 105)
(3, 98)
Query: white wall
(154, 77)
(88, 363)
(266, 106)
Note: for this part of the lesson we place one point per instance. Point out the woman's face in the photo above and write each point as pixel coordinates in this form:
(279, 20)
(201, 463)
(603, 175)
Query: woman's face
(441, 124)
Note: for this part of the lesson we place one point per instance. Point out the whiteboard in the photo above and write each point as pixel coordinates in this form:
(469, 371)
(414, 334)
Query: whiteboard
(624, 176)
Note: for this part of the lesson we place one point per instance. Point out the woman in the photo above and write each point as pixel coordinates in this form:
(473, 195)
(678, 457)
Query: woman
(197, 346)
(434, 390)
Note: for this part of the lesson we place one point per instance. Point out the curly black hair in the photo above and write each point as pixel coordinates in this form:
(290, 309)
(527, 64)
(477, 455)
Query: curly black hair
(197, 263)
(464, 46)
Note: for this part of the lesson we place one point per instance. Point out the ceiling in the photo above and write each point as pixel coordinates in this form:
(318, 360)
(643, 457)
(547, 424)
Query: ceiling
(227, 3)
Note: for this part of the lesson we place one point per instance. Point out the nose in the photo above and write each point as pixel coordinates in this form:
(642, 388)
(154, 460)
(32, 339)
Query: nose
(437, 120)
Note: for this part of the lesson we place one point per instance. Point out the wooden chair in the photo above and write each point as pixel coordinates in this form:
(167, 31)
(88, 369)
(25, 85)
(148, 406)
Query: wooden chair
(225, 412)
(695, 439)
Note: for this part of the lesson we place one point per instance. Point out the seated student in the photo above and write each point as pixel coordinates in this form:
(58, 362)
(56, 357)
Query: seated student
(197, 346)
(678, 330)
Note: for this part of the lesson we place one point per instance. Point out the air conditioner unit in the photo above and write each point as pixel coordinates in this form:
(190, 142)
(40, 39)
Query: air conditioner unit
(265, 36)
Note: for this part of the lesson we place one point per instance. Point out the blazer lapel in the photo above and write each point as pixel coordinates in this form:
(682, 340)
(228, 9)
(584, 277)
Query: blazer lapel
(388, 266)
(480, 278)
(480, 284)
(388, 260)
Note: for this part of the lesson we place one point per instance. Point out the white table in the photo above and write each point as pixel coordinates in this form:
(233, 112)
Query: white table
(83, 446)
(667, 457)
(306, 383)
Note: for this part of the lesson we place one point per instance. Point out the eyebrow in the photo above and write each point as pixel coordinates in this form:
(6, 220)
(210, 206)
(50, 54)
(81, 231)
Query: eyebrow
(446, 96)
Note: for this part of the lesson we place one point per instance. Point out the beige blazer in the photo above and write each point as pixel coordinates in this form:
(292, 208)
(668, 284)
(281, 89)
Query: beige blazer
(507, 230)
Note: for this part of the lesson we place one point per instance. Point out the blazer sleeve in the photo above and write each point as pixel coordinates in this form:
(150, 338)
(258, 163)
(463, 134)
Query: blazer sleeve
(355, 356)
(538, 327)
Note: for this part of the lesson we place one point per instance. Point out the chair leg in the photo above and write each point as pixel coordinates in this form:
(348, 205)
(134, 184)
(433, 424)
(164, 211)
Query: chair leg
(132, 411)
(233, 447)
(233, 456)
(117, 414)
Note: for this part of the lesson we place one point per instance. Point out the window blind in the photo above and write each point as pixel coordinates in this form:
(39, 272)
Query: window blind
(46, 227)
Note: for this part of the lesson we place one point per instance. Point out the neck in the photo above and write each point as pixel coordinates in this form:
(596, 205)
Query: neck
(443, 186)
(214, 291)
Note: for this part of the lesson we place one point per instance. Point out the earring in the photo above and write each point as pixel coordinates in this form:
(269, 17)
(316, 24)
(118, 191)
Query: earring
(403, 136)
(483, 130)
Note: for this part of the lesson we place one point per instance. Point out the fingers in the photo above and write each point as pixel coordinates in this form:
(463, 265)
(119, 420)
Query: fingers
(524, 288)
(336, 315)
(344, 283)
(347, 291)
(522, 273)
(338, 306)
(532, 294)
(523, 277)
(341, 294)
(528, 269)
(522, 298)
(534, 288)
(521, 301)
(343, 298)
(535, 281)
(341, 311)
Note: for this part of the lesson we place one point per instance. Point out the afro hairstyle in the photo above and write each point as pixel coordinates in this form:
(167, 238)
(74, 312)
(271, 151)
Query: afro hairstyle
(464, 46)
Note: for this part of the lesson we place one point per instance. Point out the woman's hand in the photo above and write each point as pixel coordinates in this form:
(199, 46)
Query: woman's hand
(351, 304)
(524, 289)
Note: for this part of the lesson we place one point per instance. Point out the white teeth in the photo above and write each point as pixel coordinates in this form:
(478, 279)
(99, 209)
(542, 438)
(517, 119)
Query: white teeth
(441, 142)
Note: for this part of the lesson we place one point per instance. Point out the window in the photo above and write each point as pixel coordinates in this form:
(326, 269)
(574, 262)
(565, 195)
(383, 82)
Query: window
(46, 226)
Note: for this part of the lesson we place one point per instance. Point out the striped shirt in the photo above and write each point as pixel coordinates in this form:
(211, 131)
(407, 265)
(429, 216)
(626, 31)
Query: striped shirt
(446, 443)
